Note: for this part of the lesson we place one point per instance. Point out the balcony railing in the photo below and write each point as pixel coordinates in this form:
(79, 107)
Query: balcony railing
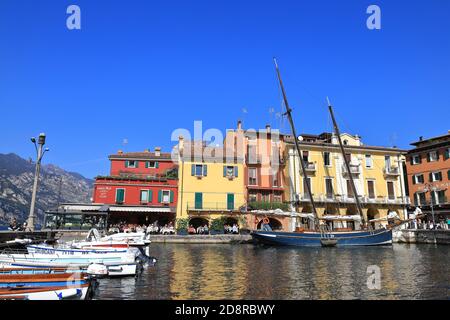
(427, 203)
(348, 199)
(212, 206)
(354, 169)
(391, 171)
(253, 159)
(310, 166)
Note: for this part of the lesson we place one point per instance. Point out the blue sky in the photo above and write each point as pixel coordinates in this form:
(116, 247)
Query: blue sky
(139, 69)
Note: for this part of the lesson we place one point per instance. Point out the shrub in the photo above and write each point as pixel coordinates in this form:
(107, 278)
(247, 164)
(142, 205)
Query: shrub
(182, 224)
(260, 205)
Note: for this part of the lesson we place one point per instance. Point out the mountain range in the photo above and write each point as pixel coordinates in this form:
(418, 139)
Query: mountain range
(55, 186)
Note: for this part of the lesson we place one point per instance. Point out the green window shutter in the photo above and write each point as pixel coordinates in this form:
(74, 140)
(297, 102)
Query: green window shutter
(448, 174)
(236, 173)
(431, 177)
(156, 164)
(437, 155)
(198, 200)
(150, 196)
(193, 170)
(230, 201)
(171, 196)
(413, 179)
(428, 157)
(127, 164)
(146, 164)
(440, 176)
(120, 195)
(205, 170)
(159, 196)
(447, 154)
(224, 171)
(137, 164)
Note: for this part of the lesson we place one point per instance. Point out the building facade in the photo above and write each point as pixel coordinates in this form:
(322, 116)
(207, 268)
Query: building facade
(377, 173)
(264, 164)
(428, 168)
(143, 184)
(211, 184)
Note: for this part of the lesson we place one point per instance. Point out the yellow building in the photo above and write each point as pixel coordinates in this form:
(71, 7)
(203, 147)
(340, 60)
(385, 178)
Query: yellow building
(376, 171)
(211, 184)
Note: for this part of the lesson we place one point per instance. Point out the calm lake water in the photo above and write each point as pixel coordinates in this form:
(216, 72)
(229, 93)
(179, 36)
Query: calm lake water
(251, 272)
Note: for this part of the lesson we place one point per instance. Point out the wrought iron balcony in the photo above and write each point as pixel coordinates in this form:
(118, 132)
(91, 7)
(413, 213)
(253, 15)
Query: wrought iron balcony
(212, 206)
(391, 171)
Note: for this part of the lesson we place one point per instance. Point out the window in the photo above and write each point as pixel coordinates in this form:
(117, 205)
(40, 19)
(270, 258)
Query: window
(230, 171)
(165, 196)
(120, 196)
(447, 154)
(230, 201)
(198, 200)
(146, 196)
(152, 164)
(275, 180)
(387, 162)
(391, 192)
(326, 159)
(416, 159)
(306, 183)
(131, 164)
(438, 197)
(199, 170)
(418, 179)
(305, 156)
(435, 176)
(371, 189)
(277, 198)
(420, 199)
(329, 188)
(369, 161)
(252, 177)
(433, 156)
(348, 156)
(448, 174)
(252, 153)
(252, 197)
(350, 193)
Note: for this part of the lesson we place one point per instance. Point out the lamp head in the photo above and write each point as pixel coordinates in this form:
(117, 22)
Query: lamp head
(42, 138)
(33, 139)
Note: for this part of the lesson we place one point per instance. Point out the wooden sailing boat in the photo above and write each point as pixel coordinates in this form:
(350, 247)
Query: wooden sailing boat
(322, 237)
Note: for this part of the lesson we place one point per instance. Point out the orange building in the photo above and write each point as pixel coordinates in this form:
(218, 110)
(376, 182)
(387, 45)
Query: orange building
(428, 170)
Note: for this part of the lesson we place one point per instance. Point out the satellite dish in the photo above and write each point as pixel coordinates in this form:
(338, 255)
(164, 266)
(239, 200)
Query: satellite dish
(300, 138)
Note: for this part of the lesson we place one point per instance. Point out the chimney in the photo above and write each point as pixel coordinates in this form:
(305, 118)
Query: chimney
(421, 138)
(180, 144)
(268, 128)
(146, 151)
(120, 152)
(158, 151)
(239, 125)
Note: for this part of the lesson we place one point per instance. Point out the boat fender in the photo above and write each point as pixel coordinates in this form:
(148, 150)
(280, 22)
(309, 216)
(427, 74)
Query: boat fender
(266, 220)
(97, 269)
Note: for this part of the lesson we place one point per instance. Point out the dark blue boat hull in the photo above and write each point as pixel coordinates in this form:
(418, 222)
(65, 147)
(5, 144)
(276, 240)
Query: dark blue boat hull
(313, 239)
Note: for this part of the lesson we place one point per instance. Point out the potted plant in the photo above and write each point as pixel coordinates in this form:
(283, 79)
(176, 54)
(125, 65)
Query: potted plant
(217, 226)
(182, 226)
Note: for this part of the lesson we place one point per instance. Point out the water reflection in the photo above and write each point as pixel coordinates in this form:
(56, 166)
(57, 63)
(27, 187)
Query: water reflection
(247, 272)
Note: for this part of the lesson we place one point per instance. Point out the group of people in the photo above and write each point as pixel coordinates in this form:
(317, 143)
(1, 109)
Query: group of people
(440, 224)
(231, 229)
(15, 226)
(153, 228)
(200, 230)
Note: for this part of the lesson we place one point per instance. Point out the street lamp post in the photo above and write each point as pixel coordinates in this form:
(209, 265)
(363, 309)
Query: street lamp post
(40, 151)
(431, 188)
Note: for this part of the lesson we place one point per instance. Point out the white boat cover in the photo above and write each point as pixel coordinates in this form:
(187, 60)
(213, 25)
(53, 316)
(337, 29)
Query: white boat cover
(342, 218)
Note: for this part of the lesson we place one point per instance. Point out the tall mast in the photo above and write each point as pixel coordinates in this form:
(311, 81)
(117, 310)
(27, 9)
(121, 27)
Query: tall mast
(297, 145)
(347, 163)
